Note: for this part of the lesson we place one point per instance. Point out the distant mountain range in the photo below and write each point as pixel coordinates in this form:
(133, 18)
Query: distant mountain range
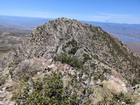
(125, 32)
(21, 22)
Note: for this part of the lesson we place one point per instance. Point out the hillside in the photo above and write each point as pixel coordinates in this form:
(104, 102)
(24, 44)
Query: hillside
(125, 32)
(9, 37)
(67, 62)
(134, 46)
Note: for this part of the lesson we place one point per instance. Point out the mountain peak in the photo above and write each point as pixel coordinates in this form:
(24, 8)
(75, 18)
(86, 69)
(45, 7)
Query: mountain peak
(76, 39)
(85, 55)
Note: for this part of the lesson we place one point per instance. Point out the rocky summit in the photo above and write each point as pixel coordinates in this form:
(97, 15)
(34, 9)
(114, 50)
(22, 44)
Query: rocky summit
(66, 62)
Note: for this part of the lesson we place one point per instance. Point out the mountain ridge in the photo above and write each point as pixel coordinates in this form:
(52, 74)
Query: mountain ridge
(78, 50)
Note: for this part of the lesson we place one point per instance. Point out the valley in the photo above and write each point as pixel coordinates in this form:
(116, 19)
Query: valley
(134, 46)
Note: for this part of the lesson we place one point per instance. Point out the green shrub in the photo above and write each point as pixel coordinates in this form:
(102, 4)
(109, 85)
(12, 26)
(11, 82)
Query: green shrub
(73, 50)
(86, 57)
(70, 60)
(123, 98)
(73, 45)
(99, 75)
(2, 79)
(50, 91)
(120, 99)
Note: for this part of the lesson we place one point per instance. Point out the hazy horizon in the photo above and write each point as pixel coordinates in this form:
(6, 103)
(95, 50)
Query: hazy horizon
(66, 17)
(109, 11)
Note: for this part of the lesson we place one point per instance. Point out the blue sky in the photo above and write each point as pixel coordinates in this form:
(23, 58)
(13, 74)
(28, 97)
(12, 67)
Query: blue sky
(116, 11)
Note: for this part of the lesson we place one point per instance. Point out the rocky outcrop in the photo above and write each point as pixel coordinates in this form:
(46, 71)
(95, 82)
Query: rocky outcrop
(70, 36)
(115, 85)
(81, 52)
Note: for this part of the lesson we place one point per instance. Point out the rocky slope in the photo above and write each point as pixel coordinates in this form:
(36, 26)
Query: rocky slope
(94, 65)
(10, 37)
